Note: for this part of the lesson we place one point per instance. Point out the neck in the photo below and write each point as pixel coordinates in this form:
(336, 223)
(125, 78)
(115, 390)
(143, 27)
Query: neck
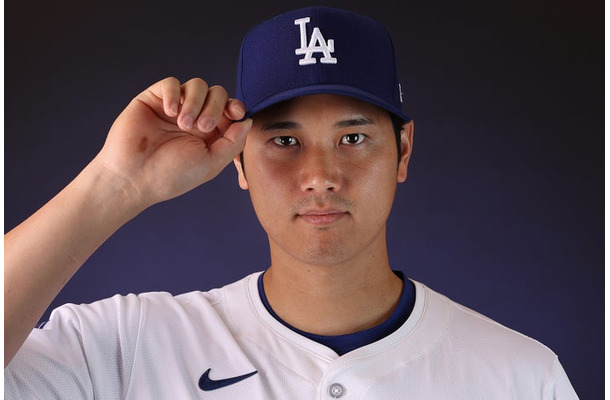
(333, 299)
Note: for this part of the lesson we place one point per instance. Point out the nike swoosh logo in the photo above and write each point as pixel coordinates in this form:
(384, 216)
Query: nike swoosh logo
(207, 384)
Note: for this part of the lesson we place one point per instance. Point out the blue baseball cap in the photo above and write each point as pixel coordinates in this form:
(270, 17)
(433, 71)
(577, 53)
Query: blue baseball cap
(318, 50)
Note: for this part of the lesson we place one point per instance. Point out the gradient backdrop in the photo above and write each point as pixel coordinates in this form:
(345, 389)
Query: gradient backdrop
(503, 207)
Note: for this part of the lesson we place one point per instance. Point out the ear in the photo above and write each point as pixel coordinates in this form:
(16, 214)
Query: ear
(406, 141)
(241, 174)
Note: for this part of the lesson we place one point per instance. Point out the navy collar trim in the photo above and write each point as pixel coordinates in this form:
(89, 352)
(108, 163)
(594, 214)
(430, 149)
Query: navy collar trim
(343, 344)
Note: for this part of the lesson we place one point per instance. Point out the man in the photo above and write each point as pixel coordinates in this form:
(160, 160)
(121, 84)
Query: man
(319, 139)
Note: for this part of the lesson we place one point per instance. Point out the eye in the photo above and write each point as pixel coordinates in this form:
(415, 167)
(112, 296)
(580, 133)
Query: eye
(352, 138)
(285, 141)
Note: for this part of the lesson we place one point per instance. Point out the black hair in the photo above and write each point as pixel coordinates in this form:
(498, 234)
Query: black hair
(397, 124)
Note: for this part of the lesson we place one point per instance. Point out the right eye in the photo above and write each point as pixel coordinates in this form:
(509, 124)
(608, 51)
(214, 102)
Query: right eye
(285, 141)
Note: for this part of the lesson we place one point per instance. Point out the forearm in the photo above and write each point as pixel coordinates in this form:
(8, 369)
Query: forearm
(148, 157)
(43, 253)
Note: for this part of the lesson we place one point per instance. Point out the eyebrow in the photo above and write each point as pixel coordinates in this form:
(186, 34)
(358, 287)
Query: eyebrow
(354, 122)
(281, 125)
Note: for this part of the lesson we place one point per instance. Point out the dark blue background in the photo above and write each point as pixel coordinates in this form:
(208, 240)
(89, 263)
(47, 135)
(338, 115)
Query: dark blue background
(503, 207)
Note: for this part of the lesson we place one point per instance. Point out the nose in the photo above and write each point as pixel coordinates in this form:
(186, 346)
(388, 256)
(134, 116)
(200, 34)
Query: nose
(320, 171)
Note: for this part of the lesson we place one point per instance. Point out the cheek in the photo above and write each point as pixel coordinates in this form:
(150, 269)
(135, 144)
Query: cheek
(379, 167)
(268, 184)
(271, 179)
(375, 184)
(270, 174)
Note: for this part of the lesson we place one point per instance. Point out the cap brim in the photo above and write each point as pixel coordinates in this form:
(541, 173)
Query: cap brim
(325, 89)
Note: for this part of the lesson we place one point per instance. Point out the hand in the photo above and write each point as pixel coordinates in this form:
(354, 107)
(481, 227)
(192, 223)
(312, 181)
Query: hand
(172, 138)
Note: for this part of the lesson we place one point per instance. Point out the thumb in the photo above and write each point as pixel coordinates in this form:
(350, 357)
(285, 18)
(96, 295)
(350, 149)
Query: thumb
(231, 143)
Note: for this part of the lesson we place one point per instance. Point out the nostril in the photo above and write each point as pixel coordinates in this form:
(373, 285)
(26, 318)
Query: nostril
(319, 172)
(321, 188)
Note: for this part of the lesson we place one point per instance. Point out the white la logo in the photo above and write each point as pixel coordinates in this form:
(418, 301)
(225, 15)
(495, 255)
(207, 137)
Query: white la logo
(317, 44)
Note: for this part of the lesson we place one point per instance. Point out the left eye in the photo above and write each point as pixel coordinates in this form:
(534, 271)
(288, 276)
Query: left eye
(352, 138)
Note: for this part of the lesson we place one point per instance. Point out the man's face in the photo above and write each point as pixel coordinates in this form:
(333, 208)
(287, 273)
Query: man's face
(322, 174)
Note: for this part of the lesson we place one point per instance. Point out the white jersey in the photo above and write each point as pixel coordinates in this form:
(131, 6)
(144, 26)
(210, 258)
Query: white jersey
(223, 344)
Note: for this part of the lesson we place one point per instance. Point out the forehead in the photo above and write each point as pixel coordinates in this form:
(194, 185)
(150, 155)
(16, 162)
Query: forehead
(330, 107)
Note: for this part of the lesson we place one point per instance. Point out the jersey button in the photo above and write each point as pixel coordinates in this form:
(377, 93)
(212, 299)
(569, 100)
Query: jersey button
(336, 390)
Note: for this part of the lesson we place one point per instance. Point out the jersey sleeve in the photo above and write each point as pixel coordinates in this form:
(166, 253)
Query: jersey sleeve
(82, 352)
(563, 389)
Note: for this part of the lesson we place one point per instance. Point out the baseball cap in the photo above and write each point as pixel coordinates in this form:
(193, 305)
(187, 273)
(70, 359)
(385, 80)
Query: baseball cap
(318, 50)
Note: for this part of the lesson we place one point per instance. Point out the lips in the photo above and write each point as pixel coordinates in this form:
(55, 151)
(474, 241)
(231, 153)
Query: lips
(322, 216)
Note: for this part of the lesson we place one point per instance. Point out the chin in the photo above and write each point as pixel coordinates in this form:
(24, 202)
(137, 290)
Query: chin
(326, 255)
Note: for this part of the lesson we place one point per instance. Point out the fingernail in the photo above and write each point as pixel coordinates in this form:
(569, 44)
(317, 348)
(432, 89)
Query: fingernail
(239, 108)
(209, 126)
(187, 121)
(173, 108)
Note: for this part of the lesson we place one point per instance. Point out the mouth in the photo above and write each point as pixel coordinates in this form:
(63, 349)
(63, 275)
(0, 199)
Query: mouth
(322, 217)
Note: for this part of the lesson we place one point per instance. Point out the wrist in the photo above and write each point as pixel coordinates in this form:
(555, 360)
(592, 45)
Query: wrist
(110, 192)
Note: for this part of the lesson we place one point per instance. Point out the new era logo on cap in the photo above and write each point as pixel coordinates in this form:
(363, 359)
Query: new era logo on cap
(318, 50)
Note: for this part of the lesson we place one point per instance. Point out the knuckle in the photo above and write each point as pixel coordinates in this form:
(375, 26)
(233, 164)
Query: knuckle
(197, 82)
(170, 81)
(219, 90)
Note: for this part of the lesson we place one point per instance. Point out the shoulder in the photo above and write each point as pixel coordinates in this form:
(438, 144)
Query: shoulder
(131, 310)
(480, 336)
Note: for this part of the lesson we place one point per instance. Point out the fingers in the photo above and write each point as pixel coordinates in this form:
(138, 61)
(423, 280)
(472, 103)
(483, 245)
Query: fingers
(197, 107)
(170, 94)
(231, 143)
(219, 111)
(213, 109)
(206, 112)
(194, 94)
(235, 110)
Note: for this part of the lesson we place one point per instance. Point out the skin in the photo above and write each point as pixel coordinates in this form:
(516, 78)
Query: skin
(170, 139)
(322, 175)
(176, 136)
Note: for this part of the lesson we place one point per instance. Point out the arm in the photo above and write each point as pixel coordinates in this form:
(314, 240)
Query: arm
(170, 139)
